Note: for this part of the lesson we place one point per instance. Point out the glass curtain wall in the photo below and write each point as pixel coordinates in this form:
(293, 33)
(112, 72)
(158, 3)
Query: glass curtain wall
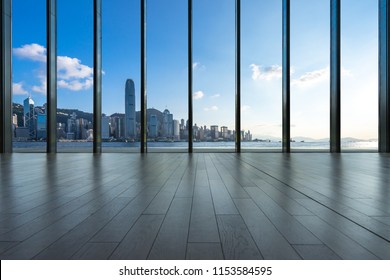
(121, 76)
(75, 75)
(359, 80)
(310, 82)
(261, 75)
(167, 75)
(29, 75)
(214, 75)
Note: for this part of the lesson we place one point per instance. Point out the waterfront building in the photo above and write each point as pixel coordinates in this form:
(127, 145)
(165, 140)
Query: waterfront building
(153, 126)
(29, 116)
(130, 124)
(105, 127)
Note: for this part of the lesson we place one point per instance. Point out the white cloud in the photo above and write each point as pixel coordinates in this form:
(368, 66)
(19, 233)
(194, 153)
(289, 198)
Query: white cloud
(41, 88)
(198, 95)
(69, 68)
(72, 74)
(33, 52)
(76, 85)
(312, 77)
(267, 73)
(17, 89)
(198, 66)
(260, 72)
(215, 95)
(212, 108)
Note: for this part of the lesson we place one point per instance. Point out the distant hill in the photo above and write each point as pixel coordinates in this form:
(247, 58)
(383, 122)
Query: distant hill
(64, 114)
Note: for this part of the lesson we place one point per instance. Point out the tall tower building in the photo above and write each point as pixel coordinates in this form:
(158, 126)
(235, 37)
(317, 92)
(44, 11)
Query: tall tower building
(167, 123)
(130, 128)
(153, 126)
(105, 127)
(29, 116)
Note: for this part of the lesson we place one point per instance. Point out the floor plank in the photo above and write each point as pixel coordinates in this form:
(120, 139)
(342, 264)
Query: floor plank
(316, 252)
(204, 251)
(343, 246)
(72, 241)
(203, 225)
(4, 246)
(272, 244)
(287, 224)
(223, 202)
(139, 240)
(171, 241)
(365, 238)
(95, 251)
(237, 243)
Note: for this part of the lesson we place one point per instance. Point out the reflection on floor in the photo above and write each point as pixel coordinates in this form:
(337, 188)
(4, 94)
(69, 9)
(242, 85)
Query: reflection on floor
(199, 206)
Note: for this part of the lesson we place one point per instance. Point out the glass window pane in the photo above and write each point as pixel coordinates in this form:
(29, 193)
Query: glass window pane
(121, 75)
(75, 75)
(29, 75)
(261, 74)
(359, 82)
(214, 74)
(310, 56)
(167, 75)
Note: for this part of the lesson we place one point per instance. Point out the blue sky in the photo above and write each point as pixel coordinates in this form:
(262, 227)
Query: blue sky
(214, 61)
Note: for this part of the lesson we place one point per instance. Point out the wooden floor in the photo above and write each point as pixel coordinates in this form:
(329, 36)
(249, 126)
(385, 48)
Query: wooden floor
(200, 206)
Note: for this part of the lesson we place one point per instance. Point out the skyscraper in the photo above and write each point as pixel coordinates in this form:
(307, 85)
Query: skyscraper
(153, 126)
(29, 116)
(41, 124)
(167, 123)
(130, 128)
(105, 127)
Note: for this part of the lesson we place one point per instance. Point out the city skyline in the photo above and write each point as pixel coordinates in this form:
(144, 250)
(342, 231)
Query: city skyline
(161, 125)
(213, 61)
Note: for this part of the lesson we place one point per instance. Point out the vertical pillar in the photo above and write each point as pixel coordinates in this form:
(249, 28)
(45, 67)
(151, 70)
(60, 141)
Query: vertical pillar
(143, 137)
(97, 76)
(286, 77)
(238, 76)
(384, 77)
(6, 77)
(51, 75)
(190, 82)
(335, 77)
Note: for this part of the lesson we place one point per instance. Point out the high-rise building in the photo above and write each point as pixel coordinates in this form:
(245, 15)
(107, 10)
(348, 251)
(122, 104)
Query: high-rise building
(119, 127)
(224, 132)
(167, 123)
(105, 127)
(176, 129)
(214, 132)
(130, 131)
(29, 116)
(153, 127)
(41, 124)
(81, 128)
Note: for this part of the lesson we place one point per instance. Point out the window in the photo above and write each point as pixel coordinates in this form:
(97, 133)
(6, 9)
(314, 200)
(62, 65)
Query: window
(310, 56)
(121, 76)
(75, 75)
(214, 74)
(359, 76)
(261, 74)
(29, 75)
(167, 75)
